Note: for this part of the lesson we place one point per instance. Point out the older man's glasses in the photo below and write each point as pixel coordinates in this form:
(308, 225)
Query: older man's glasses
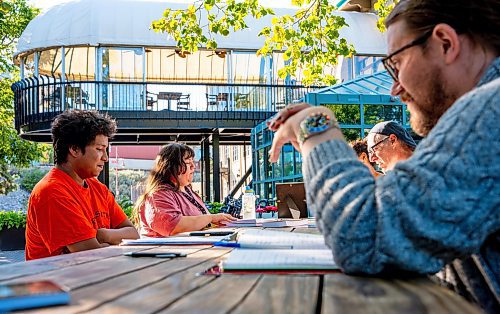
(389, 64)
(373, 149)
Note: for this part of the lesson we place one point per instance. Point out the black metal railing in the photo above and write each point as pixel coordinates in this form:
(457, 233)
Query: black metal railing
(46, 96)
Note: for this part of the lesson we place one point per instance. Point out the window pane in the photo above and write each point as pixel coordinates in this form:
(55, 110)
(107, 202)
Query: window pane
(122, 64)
(367, 65)
(346, 114)
(278, 168)
(298, 162)
(29, 65)
(49, 62)
(288, 160)
(201, 66)
(351, 134)
(80, 63)
(247, 67)
(260, 157)
(378, 113)
(268, 186)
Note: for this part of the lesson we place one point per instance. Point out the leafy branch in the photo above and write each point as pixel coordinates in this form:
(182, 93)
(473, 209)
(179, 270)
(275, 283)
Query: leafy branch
(223, 17)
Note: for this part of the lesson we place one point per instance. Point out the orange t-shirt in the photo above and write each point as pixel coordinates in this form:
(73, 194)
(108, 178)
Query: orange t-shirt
(62, 212)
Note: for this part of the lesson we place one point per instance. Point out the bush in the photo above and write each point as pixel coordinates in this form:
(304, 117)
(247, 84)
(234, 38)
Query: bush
(12, 219)
(126, 179)
(214, 207)
(127, 207)
(30, 177)
(7, 180)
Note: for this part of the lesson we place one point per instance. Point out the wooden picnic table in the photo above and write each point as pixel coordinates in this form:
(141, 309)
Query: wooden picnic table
(105, 281)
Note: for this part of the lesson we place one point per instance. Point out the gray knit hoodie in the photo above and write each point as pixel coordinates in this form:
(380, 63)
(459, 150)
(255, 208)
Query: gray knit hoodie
(438, 210)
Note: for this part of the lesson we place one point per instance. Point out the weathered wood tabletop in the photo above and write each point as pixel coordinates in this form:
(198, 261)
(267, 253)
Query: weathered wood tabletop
(105, 281)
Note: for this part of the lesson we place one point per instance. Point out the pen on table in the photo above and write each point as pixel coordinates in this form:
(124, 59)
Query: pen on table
(211, 233)
(160, 255)
(251, 246)
(227, 244)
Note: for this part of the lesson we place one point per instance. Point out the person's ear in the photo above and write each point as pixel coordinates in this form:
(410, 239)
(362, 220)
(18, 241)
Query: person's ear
(363, 157)
(393, 138)
(74, 151)
(448, 41)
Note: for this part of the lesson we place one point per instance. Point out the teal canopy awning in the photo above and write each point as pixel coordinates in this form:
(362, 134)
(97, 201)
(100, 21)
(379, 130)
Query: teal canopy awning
(373, 88)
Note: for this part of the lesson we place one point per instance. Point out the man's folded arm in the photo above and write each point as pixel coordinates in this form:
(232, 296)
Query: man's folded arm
(125, 230)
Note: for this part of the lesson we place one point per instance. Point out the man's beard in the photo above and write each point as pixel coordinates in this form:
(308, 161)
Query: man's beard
(426, 114)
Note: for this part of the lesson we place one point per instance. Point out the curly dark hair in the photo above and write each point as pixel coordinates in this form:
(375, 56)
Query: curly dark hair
(476, 18)
(78, 128)
(360, 146)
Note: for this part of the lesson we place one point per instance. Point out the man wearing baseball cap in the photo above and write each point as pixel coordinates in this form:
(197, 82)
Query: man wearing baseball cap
(388, 143)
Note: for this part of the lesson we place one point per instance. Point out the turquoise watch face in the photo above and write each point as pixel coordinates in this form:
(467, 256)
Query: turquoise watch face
(315, 123)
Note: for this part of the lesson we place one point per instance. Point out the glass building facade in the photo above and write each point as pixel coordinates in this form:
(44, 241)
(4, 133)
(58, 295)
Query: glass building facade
(358, 104)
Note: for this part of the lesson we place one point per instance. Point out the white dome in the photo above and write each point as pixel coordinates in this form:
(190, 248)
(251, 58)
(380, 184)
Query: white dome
(127, 22)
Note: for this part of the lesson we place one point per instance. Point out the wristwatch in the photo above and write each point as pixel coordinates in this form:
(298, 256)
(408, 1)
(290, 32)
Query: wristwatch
(314, 124)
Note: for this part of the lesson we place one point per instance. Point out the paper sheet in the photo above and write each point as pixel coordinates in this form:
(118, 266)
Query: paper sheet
(173, 241)
(269, 239)
(279, 259)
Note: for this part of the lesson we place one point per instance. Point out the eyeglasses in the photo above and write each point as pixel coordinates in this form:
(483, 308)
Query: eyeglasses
(372, 150)
(389, 64)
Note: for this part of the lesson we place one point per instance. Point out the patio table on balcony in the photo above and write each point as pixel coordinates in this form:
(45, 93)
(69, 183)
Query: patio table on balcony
(105, 281)
(169, 96)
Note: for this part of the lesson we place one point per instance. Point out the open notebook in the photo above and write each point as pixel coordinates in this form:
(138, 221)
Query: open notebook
(255, 259)
(267, 250)
(271, 239)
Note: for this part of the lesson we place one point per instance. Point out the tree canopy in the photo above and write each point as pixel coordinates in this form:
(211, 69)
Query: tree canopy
(14, 17)
(309, 38)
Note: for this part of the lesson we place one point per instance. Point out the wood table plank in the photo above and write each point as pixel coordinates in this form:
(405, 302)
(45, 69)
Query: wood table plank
(143, 290)
(221, 295)
(282, 294)
(15, 270)
(348, 294)
(173, 286)
(84, 274)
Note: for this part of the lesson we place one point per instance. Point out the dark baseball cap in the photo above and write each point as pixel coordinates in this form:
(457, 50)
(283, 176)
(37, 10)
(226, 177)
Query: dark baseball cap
(392, 127)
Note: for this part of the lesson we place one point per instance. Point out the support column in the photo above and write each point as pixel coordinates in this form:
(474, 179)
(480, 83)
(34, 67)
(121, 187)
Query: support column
(216, 165)
(205, 146)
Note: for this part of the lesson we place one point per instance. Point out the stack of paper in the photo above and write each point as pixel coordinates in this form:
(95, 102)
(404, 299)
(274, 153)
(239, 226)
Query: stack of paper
(279, 223)
(277, 250)
(254, 259)
(250, 222)
(271, 239)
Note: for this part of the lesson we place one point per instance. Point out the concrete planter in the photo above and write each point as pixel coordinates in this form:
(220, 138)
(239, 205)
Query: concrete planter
(12, 239)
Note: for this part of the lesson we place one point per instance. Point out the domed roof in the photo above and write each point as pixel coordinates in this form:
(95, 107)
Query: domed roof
(127, 23)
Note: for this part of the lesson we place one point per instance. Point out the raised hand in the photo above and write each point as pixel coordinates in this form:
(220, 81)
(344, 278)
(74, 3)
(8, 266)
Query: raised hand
(284, 114)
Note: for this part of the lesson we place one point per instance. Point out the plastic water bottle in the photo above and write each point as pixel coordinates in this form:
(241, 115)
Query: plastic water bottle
(248, 204)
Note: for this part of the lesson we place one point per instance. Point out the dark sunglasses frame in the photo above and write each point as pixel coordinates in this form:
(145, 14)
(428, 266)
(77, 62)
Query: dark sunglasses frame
(371, 150)
(387, 62)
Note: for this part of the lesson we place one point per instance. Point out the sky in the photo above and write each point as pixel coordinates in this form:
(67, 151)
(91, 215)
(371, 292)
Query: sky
(43, 4)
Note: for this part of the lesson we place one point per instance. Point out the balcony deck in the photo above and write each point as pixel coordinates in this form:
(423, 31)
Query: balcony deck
(152, 112)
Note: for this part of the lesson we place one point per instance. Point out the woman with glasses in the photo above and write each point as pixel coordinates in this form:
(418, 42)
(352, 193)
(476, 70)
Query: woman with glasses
(169, 205)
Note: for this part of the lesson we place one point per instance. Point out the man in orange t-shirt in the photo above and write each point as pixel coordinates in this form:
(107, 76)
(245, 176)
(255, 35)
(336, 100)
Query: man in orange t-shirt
(69, 210)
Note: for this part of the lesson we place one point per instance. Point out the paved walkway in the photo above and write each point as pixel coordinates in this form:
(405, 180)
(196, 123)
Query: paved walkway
(8, 257)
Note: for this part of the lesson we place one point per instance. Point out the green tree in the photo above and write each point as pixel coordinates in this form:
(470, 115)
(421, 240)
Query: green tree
(14, 17)
(309, 38)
